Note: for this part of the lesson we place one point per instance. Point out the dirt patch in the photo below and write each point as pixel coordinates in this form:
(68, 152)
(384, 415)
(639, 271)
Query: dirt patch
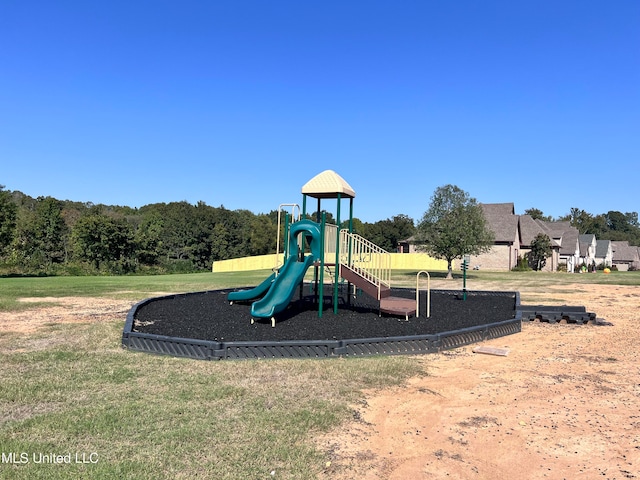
(562, 404)
(62, 310)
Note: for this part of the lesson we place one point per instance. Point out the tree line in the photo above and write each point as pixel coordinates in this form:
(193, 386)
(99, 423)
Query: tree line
(45, 235)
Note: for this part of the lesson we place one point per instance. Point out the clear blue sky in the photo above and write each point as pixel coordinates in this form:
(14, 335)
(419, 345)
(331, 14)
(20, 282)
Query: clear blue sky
(240, 103)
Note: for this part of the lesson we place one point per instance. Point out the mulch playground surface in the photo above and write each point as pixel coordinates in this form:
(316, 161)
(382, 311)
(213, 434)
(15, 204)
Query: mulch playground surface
(208, 316)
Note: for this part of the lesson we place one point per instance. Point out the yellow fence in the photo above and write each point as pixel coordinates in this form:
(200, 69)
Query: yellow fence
(399, 261)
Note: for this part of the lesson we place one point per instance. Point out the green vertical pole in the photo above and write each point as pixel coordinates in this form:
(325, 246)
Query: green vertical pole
(350, 245)
(351, 215)
(315, 268)
(286, 237)
(335, 280)
(464, 279)
(321, 288)
(350, 226)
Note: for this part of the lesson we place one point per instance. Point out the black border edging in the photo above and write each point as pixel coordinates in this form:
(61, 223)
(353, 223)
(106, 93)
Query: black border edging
(557, 313)
(416, 344)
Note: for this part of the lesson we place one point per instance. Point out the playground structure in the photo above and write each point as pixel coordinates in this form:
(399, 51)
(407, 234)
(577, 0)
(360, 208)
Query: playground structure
(339, 252)
(203, 325)
(354, 266)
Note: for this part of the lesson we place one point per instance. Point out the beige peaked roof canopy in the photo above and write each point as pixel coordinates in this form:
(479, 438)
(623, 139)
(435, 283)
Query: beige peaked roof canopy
(328, 184)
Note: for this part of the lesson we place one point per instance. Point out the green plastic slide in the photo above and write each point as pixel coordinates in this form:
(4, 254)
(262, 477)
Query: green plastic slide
(292, 273)
(251, 293)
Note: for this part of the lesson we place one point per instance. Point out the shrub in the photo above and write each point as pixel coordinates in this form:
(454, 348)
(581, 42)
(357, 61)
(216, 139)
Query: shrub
(522, 265)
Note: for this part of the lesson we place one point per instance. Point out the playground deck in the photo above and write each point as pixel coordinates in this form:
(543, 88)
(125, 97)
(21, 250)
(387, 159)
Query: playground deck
(398, 306)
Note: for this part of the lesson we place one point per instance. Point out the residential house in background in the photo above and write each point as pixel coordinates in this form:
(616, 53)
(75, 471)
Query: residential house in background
(625, 257)
(587, 244)
(407, 246)
(503, 222)
(529, 230)
(513, 235)
(604, 253)
(567, 237)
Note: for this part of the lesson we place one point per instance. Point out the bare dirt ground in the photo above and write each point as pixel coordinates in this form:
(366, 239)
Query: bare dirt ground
(62, 310)
(563, 404)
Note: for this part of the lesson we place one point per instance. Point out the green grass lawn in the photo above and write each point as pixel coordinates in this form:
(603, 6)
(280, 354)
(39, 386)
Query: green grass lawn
(70, 389)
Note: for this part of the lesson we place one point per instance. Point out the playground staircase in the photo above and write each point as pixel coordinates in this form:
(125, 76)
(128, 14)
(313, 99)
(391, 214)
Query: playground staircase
(364, 282)
(368, 267)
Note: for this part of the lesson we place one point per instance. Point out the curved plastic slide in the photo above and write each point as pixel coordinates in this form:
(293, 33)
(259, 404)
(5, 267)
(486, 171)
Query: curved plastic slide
(250, 294)
(292, 273)
(282, 289)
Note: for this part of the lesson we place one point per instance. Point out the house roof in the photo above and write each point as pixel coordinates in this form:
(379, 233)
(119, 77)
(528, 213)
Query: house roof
(564, 233)
(587, 238)
(619, 243)
(623, 252)
(569, 241)
(530, 229)
(328, 184)
(559, 227)
(602, 248)
(503, 209)
(585, 241)
(411, 239)
(501, 220)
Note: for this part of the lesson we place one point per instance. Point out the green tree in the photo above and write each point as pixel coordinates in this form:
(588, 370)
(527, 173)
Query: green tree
(262, 235)
(598, 226)
(40, 235)
(102, 239)
(580, 219)
(453, 226)
(8, 215)
(618, 221)
(219, 245)
(50, 229)
(623, 226)
(148, 239)
(537, 214)
(388, 233)
(540, 251)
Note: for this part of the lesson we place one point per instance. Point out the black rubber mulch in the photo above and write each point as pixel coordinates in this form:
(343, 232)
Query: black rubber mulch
(208, 316)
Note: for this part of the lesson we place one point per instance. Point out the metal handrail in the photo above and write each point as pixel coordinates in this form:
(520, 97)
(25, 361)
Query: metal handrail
(428, 293)
(293, 206)
(370, 261)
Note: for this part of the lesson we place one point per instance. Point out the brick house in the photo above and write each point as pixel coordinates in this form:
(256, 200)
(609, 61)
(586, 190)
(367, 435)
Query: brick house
(407, 246)
(566, 237)
(503, 222)
(529, 230)
(513, 235)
